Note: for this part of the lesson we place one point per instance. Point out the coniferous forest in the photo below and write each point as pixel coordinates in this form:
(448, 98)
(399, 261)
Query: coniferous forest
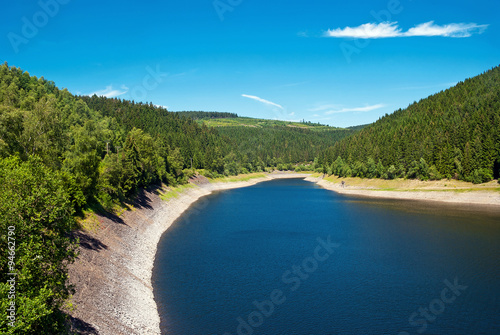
(61, 154)
(452, 134)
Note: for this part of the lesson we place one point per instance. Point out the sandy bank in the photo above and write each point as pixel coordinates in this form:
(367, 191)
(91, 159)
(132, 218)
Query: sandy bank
(112, 275)
(465, 197)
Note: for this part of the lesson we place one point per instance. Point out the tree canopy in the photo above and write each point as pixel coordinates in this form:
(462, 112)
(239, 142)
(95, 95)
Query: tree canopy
(452, 134)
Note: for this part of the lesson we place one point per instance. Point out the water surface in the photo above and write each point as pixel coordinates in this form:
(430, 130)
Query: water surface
(288, 257)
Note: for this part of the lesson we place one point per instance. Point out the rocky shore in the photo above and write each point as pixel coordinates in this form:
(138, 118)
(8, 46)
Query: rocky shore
(465, 197)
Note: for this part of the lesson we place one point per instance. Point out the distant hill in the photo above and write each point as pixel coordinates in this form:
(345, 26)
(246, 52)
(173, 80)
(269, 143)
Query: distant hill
(277, 141)
(221, 119)
(454, 133)
(261, 123)
(361, 126)
(206, 115)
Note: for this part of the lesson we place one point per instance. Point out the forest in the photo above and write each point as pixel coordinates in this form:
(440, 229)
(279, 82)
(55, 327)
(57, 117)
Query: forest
(452, 134)
(282, 146)
(222, 143)
(275, 143)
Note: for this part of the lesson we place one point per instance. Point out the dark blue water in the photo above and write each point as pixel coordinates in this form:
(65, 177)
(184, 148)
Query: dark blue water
(288, 257)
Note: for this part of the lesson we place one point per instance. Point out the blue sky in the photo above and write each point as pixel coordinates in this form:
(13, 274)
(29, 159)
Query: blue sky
(335, 62)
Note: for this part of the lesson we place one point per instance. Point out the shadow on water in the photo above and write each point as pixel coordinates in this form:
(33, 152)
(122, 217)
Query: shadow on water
(484, 213)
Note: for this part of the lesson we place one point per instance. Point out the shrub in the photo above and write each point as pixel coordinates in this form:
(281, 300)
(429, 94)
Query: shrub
(480, 176)
(37, 209)
(434, 173)
(391, 172)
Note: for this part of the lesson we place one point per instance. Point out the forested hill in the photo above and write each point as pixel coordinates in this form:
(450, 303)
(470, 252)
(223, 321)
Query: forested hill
(361, 126)
(453, 134)
(199, 146)
(207, 115)
(278, 143)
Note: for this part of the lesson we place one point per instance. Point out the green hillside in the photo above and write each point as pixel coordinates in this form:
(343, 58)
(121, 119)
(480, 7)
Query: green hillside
(206, 115)
(274, 142)
(260, 123)
(452, 134)
(282, 143)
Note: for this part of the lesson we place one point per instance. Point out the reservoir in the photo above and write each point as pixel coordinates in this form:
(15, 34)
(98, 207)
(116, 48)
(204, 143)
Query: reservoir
(288, 257)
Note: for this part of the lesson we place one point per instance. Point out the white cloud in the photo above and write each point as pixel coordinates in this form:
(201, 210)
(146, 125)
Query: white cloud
(367, 30)
(448, 30)
(109, 92)
(392, 29)
(356, 109)
(267, 102)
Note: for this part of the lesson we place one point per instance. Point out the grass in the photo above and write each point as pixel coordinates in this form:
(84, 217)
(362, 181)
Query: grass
(89, 222)
(172, 192)
(240, 177)
(88, 219)
(411, 185)
(120, 208)
(261, 123)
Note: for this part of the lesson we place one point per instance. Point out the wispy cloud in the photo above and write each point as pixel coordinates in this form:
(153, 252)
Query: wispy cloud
(355, 109)
(109, 92)
(448, 30)
(392, 29)
(323, 107)
(264, 101)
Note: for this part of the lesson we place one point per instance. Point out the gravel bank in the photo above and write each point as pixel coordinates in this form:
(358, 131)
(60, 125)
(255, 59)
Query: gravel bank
(468, 197)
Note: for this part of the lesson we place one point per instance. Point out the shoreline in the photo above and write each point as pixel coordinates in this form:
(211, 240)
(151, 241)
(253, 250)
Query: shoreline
(465, 196)
(113, 273)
